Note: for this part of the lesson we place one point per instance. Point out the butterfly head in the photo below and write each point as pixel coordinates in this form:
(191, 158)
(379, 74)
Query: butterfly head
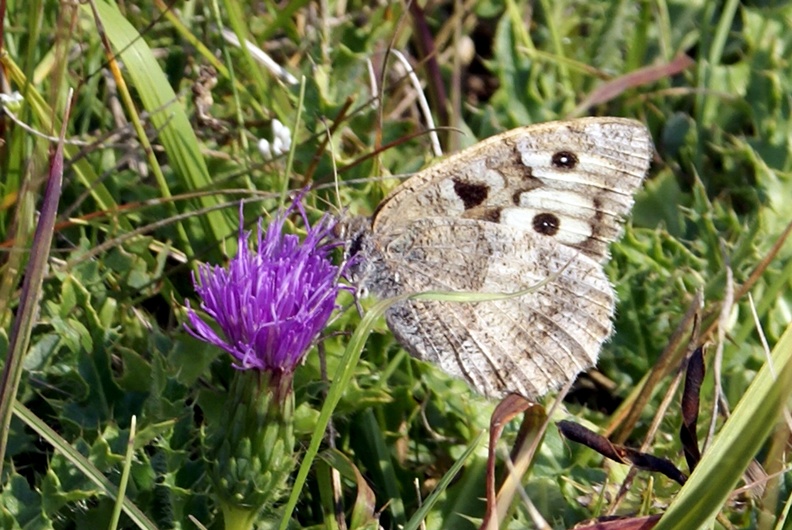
(365, 266)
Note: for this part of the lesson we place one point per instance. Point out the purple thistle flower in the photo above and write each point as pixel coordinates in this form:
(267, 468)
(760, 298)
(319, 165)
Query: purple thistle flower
(271, 302)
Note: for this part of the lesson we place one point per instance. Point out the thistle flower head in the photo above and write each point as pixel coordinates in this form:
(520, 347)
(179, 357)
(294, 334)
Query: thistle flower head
(272, 301)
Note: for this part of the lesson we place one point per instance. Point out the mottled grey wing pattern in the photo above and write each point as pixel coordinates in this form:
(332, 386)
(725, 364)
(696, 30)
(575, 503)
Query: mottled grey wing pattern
(529, 343)
(574, 180)
(534, 208)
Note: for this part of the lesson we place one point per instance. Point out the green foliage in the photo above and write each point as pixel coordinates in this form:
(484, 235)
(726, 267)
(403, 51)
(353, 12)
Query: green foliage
(153, 183)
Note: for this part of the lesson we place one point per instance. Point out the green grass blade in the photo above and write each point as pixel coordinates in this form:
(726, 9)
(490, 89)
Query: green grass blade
(426, 507)
(82, 464)
(168, 115)
(757, 413)
(374, 440)
(48, 121)
(341, 379)
(28, 310)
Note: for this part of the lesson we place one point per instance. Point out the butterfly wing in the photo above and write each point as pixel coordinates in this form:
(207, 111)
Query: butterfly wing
(534, 208)
(572, 180)
(529, 343)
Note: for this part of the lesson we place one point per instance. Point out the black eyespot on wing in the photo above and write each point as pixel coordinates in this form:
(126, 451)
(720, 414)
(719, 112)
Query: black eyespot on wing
(565, 160)
(546, 224)
(471, 194)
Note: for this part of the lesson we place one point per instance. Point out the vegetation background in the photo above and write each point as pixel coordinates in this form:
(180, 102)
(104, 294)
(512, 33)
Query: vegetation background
(162, 146)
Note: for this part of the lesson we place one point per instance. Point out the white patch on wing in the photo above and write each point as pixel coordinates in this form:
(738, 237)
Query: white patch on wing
(573, 211)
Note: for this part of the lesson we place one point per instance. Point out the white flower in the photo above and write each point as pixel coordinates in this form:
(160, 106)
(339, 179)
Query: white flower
(12, 100)
(281, 141)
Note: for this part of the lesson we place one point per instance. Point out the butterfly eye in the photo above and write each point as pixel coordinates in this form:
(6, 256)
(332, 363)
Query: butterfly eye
(565, 160)
(546, 224)
(354, 247)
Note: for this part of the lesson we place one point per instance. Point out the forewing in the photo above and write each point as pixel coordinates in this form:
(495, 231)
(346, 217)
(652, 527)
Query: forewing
(572, 180)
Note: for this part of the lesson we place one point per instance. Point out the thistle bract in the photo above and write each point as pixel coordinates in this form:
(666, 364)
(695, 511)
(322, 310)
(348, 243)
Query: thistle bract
(270, 304)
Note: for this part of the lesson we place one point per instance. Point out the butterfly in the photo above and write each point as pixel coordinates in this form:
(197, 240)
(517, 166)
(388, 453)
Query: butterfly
(531, 211)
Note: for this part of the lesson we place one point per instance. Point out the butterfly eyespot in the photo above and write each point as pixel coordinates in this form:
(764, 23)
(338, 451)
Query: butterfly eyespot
(546, 224)
(565, 160)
